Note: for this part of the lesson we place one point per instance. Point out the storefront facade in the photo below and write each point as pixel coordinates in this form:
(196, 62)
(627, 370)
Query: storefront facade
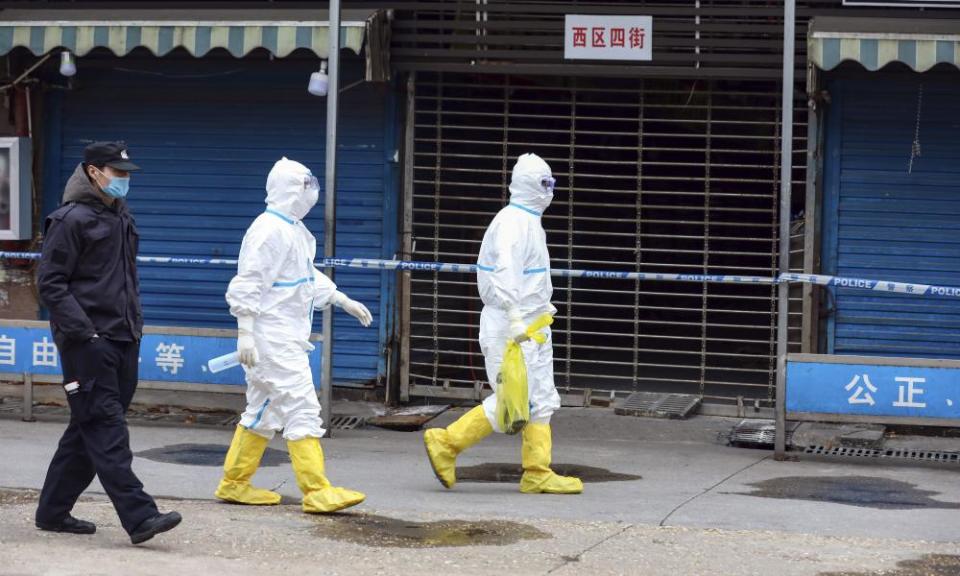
(207, 101)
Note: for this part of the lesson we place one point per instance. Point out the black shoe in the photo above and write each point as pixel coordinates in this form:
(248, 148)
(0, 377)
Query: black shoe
(153, 526)
(69, 525)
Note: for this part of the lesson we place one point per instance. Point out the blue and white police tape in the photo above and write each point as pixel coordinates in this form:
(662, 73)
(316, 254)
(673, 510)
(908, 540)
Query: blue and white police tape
(604, 274)
(874, 285)
(142, 259)
(392, 265)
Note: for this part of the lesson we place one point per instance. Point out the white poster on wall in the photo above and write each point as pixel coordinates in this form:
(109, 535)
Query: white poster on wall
(608, 37)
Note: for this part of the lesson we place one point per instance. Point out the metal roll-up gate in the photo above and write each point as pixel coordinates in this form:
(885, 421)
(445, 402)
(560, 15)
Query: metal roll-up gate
(673, 176)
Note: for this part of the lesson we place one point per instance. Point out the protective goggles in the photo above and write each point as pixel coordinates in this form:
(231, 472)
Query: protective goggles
(548, 183)
(311, 182)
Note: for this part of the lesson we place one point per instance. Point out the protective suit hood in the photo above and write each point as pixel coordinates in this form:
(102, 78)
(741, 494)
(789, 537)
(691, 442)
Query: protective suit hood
(525, 187)
(292, 189)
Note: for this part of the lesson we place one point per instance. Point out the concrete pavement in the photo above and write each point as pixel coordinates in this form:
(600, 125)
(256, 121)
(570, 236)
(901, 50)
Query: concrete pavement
(698, 506)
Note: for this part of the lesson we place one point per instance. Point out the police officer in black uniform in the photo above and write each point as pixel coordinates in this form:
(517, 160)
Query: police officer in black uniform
(88, 282)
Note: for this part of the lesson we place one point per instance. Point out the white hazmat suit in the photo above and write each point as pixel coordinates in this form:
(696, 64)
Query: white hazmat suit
(273, 296)
(278, 285)
(514, 281)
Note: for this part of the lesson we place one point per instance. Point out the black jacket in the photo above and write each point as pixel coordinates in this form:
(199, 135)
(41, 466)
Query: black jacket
(88, 270)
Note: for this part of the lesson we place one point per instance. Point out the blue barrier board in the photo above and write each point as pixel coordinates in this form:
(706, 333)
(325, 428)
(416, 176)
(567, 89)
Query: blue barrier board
(861, 388)
(163, 357)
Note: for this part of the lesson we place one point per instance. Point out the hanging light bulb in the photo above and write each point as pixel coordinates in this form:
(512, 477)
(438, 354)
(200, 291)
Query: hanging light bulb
(319, 81)
(68, 64)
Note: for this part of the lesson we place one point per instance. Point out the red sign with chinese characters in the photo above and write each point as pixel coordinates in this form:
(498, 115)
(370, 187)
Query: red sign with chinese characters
(608, 37)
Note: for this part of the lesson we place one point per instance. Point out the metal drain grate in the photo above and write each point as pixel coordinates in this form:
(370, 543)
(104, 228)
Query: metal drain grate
(658, 405)
(347, 422)
(753, 433)
(920, 455)
(11, 406)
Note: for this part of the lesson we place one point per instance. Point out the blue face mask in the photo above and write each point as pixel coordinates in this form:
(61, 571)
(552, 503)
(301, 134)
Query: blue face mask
(118, 187)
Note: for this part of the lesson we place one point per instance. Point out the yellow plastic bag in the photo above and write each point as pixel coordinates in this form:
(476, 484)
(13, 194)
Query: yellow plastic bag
(513, 396)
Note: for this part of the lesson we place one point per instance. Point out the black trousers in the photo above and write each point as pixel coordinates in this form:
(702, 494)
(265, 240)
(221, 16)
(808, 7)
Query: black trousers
(97, 441)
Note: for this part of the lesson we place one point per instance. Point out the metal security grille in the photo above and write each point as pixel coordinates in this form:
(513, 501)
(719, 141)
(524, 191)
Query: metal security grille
(712, 38)
(672, 176)
(703, 38)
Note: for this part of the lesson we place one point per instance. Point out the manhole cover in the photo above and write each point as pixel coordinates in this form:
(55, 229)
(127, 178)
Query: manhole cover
(656, 405)
(205, 455)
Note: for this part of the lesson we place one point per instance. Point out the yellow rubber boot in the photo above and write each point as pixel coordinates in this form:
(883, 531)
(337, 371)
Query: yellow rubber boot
(538, 478)
(319, 497)
(443, 444)
(241, 463)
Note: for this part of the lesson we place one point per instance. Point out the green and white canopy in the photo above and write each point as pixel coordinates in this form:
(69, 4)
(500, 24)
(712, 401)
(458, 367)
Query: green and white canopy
(197, 31)
(877, 42)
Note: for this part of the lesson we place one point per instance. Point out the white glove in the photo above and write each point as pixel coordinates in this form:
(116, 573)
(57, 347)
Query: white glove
(246, 344)
(518, 329)
(353, 308)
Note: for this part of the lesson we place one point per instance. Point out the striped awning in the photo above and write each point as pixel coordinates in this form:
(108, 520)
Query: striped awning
(877, 42)
(197, 31)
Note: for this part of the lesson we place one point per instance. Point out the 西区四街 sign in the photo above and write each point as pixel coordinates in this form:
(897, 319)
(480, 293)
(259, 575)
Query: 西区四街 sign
(608, 37)
(877, 388)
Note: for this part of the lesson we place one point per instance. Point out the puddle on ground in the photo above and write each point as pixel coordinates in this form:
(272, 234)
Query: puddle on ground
(205, 455)
(381, 531)
(929, 565)
(863, 491)
(511, 473)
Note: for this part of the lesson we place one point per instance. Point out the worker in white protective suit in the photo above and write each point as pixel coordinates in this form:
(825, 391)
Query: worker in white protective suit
(514, 281)
(273, 296)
